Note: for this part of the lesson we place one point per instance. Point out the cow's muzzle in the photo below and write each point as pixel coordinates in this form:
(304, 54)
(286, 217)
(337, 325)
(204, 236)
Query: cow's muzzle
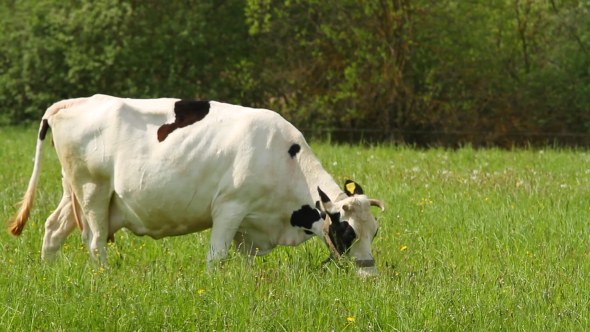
(365, 263)
(366, 268)
(360, 263)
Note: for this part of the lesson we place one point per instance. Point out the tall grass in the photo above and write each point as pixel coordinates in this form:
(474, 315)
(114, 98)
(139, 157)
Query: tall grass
(471, 240)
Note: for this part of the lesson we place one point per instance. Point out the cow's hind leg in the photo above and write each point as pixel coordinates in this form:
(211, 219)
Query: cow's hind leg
(95, 204)
(59, 225)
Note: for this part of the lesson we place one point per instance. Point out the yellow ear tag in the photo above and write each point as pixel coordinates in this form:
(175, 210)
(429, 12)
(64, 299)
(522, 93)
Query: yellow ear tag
(351, 187)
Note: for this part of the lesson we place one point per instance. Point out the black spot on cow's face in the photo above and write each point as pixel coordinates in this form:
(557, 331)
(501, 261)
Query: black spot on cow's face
(294, 149)
(342, 235)
(335, 217)
(187, 112)
(305, 217)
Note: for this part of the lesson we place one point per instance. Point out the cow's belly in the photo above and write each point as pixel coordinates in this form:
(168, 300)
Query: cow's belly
(166, 195)
(157, 218)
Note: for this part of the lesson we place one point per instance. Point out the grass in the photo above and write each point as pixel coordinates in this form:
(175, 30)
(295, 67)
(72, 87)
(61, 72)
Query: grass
(471, 240)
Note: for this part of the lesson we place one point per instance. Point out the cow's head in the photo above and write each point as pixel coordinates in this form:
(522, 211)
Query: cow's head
(349, 227)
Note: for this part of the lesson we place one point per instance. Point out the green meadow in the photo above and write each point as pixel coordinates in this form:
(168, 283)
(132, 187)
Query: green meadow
(471, 240)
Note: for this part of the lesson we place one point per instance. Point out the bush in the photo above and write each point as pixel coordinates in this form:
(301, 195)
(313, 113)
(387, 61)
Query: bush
(73, 48)
(447, 72)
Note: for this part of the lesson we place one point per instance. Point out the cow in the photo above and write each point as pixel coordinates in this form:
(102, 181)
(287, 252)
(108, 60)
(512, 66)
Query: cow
(168, 167)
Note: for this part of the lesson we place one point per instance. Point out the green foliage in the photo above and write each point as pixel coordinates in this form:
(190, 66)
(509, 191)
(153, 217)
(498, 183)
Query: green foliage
(73, 48)
(445, 72)
(423, 68)
(471, 240)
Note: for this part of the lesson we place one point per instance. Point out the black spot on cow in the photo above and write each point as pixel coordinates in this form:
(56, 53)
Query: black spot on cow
(43, 131)
(305, 217)
(318, 206)
(187, 112)
(294, 149)
(308, 232)
(342, 235)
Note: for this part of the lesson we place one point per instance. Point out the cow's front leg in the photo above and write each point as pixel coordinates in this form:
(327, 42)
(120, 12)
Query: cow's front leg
(245, 247)
(226, 222)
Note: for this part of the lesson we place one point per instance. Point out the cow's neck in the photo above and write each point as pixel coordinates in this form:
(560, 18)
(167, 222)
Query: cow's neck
(316, 176)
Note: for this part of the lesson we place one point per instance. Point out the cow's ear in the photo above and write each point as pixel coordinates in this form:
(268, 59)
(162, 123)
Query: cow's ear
(352, 188)
(323, 196)
(320, 208)
(326, 202)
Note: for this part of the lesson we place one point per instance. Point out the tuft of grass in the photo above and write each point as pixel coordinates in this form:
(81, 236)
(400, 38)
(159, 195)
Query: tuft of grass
(471, 240)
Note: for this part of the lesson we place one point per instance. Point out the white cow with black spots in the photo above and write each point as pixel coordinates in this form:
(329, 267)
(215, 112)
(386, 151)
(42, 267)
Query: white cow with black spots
(167, 167)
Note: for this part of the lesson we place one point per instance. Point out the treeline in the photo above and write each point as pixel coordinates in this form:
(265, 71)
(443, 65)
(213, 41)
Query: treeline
(419, 71)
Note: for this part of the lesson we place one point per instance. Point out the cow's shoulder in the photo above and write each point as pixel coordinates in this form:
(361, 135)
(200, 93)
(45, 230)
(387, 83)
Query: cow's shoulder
(258, 120)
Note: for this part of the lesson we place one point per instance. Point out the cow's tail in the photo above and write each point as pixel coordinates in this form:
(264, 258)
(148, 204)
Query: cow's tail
(18, 222)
